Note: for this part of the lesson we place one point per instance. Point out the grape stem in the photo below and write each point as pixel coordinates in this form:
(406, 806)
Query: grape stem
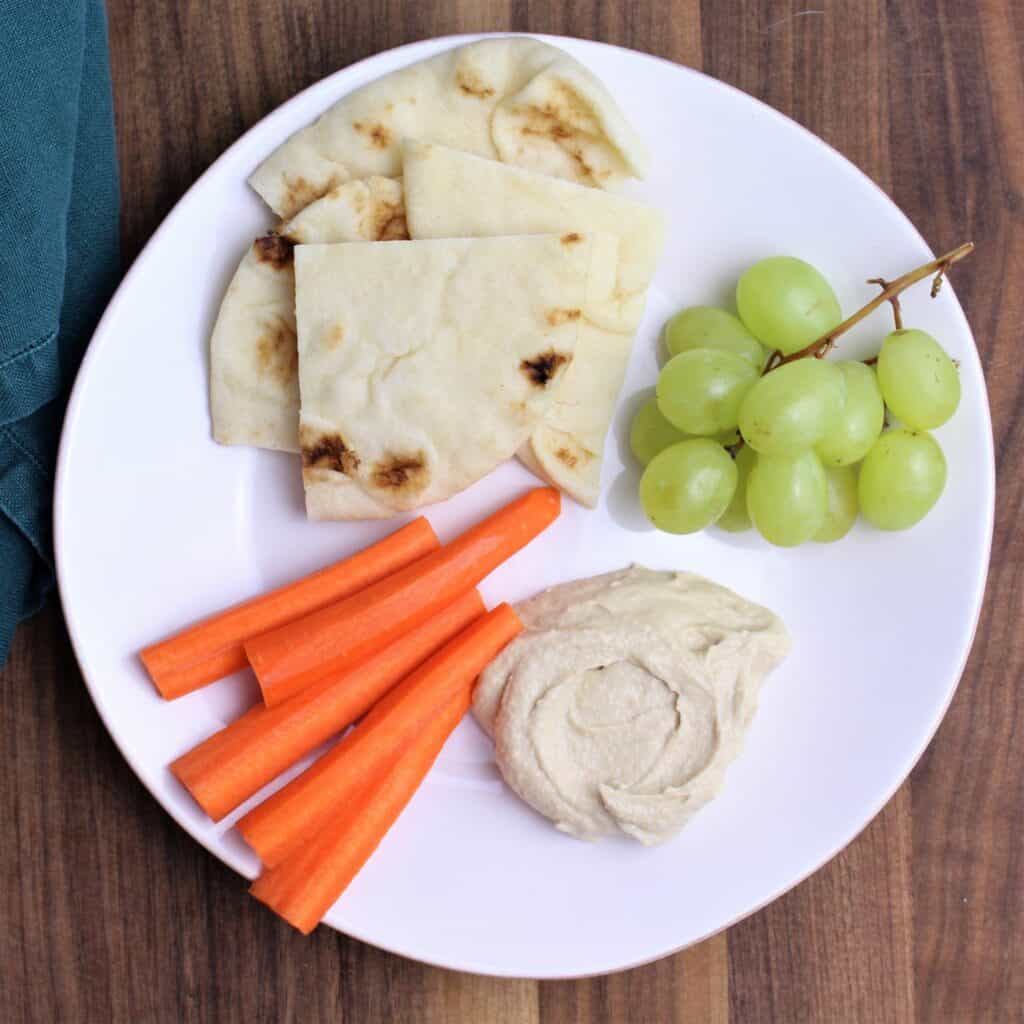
(890, 292)
(894, 301)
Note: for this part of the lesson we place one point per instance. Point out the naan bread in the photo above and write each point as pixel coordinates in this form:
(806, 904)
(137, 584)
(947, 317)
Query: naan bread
(434, 362)
(254, 383)
(568, 447)
(449, 193)
(512, 98)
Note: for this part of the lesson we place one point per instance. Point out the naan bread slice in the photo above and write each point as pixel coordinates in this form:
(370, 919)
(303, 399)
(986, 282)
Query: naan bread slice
(433, 363)
(568, 446)
(450, 193)
(254, 383)
(510, 98)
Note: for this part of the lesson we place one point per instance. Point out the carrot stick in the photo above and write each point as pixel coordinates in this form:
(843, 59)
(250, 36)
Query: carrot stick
(213, 648)
(302, 888)
(293, 656)
(293, 814)
(227, 768)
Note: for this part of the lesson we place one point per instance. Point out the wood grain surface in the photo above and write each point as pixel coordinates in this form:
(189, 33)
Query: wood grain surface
(112, 913)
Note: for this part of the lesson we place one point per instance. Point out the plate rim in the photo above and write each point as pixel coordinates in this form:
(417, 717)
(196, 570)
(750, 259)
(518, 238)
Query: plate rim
(103, 328)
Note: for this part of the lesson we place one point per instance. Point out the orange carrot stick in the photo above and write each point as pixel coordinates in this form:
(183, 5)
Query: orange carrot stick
(297, 654)
(213, 648)
(293, 814)
(302, 888)
(227, 768)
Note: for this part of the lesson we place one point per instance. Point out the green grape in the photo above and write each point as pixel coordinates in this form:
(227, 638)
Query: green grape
(651, 433)
(735, 518)
(840, 503)
(901, 478)
(786, 498)
(688, 486)
(786, 303)
(700, 391)
(856, 430)
(708, 327)
(791, 408)
(919, 382)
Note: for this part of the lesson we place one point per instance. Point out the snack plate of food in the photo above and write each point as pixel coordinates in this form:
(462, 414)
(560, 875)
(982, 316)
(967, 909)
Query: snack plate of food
(463, 351)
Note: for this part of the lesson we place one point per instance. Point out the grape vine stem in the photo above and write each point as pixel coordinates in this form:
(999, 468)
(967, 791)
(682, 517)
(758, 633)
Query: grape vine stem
(890, 290)
(894, 301)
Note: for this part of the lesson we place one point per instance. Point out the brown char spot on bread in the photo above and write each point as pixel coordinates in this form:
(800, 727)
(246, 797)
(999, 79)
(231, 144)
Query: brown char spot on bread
(300, 192)
(335, 335)
(548, 121)
(586, 171)
(327, 451)
(572, 238)
(389, 223)
(569, 106)
(277, 353)
(394, 230)
(401, 473)
(377, 133)
(384, 220)
(542, 367)
(275, 249)
(571, 454)
(471, 83)
(556, 317)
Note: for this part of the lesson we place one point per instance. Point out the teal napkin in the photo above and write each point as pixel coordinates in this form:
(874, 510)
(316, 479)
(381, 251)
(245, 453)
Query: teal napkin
(59, 261)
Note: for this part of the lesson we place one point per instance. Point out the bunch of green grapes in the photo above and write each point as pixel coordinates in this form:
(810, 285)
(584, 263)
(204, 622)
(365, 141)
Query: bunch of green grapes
(799, 451)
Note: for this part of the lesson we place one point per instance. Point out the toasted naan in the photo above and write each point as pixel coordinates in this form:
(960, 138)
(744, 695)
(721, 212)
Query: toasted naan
(568, 446)
(434, 362)
(512, 98)
(254, 383)
(449, 193)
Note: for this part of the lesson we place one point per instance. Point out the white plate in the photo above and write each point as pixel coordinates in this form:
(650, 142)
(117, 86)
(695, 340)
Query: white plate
(156, 525)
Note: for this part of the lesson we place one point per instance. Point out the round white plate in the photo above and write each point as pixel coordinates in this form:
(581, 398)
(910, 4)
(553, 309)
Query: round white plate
(156, 525)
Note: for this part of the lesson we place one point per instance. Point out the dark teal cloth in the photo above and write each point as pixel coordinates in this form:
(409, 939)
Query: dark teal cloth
(59, 261)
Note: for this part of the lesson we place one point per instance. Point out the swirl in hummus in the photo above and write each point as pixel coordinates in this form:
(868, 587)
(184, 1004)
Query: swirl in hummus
(625, 699)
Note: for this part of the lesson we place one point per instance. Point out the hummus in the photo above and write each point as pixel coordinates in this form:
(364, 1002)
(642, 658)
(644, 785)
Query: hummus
(620, 706)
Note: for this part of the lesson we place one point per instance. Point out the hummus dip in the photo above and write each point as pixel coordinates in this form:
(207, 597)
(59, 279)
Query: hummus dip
(620, 706)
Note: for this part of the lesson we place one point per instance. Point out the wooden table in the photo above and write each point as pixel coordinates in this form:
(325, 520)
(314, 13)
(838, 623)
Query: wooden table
(112, 913)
